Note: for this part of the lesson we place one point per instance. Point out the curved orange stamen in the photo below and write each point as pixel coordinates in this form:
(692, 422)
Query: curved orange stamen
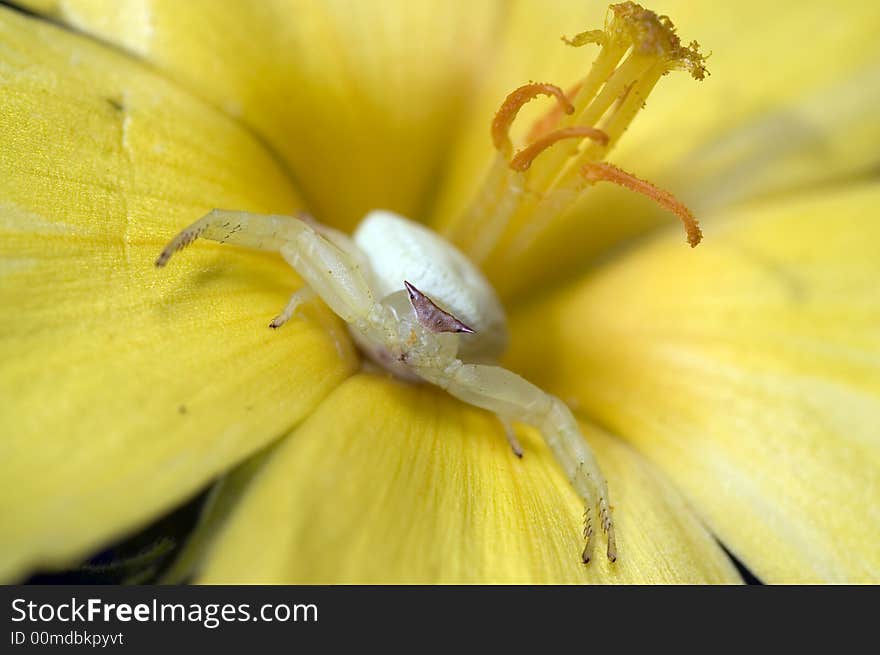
(506, 114)
(603, 172)
(524, 158)
(548, 121)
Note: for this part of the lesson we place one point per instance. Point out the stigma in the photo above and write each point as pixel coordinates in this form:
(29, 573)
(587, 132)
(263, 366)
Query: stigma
(566, 149)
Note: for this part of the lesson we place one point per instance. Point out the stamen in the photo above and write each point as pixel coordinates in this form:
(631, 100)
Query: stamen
(506, 114)
(530, 184)
(524, 158)
(649, 34)
(604, 172)
(548, 121)
(590, 36)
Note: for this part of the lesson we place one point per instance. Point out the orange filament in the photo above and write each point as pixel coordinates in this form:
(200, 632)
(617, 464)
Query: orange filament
(524, 158)
(506, 114)
(549, 120)
(603, 172)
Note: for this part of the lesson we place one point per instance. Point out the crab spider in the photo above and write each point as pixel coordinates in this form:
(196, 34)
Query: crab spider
(418, 307)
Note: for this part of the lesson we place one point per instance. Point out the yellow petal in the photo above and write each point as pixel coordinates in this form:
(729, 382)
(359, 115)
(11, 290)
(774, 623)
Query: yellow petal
(791, 102)
(748, 369)
(360, 99)
(123, 388)
(388, 482)
(219, 504)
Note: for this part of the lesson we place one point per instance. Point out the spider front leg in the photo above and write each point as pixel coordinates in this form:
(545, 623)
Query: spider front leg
(514, 399)
(325, 259)
(260, 231)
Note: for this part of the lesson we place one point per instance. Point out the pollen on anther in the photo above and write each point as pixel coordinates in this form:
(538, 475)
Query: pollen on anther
(546, 123)
(524, 158)
(506, 114)
(604, 172)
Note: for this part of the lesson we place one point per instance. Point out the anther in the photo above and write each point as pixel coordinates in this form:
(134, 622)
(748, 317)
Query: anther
(524, 158)
(590, 36)
(506, 114)
(604, 172)
(548, 121)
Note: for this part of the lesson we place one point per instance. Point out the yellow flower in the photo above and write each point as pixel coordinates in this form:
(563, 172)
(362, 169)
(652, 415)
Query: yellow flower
(732, 392)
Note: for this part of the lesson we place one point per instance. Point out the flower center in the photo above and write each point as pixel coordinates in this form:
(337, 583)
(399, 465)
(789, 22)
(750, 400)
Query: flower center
(565, 149)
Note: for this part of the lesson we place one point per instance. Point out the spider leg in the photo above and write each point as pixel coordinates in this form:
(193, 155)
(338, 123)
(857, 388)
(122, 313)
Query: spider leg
(261, 231)
(515, 445)
(299, 297)
(514, 399)
(326, 260)
(335, 274)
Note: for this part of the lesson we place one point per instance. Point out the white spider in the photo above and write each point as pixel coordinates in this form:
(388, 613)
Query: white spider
(418, 307)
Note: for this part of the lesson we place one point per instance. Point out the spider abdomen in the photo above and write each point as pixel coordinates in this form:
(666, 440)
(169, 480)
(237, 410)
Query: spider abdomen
(399, 249)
